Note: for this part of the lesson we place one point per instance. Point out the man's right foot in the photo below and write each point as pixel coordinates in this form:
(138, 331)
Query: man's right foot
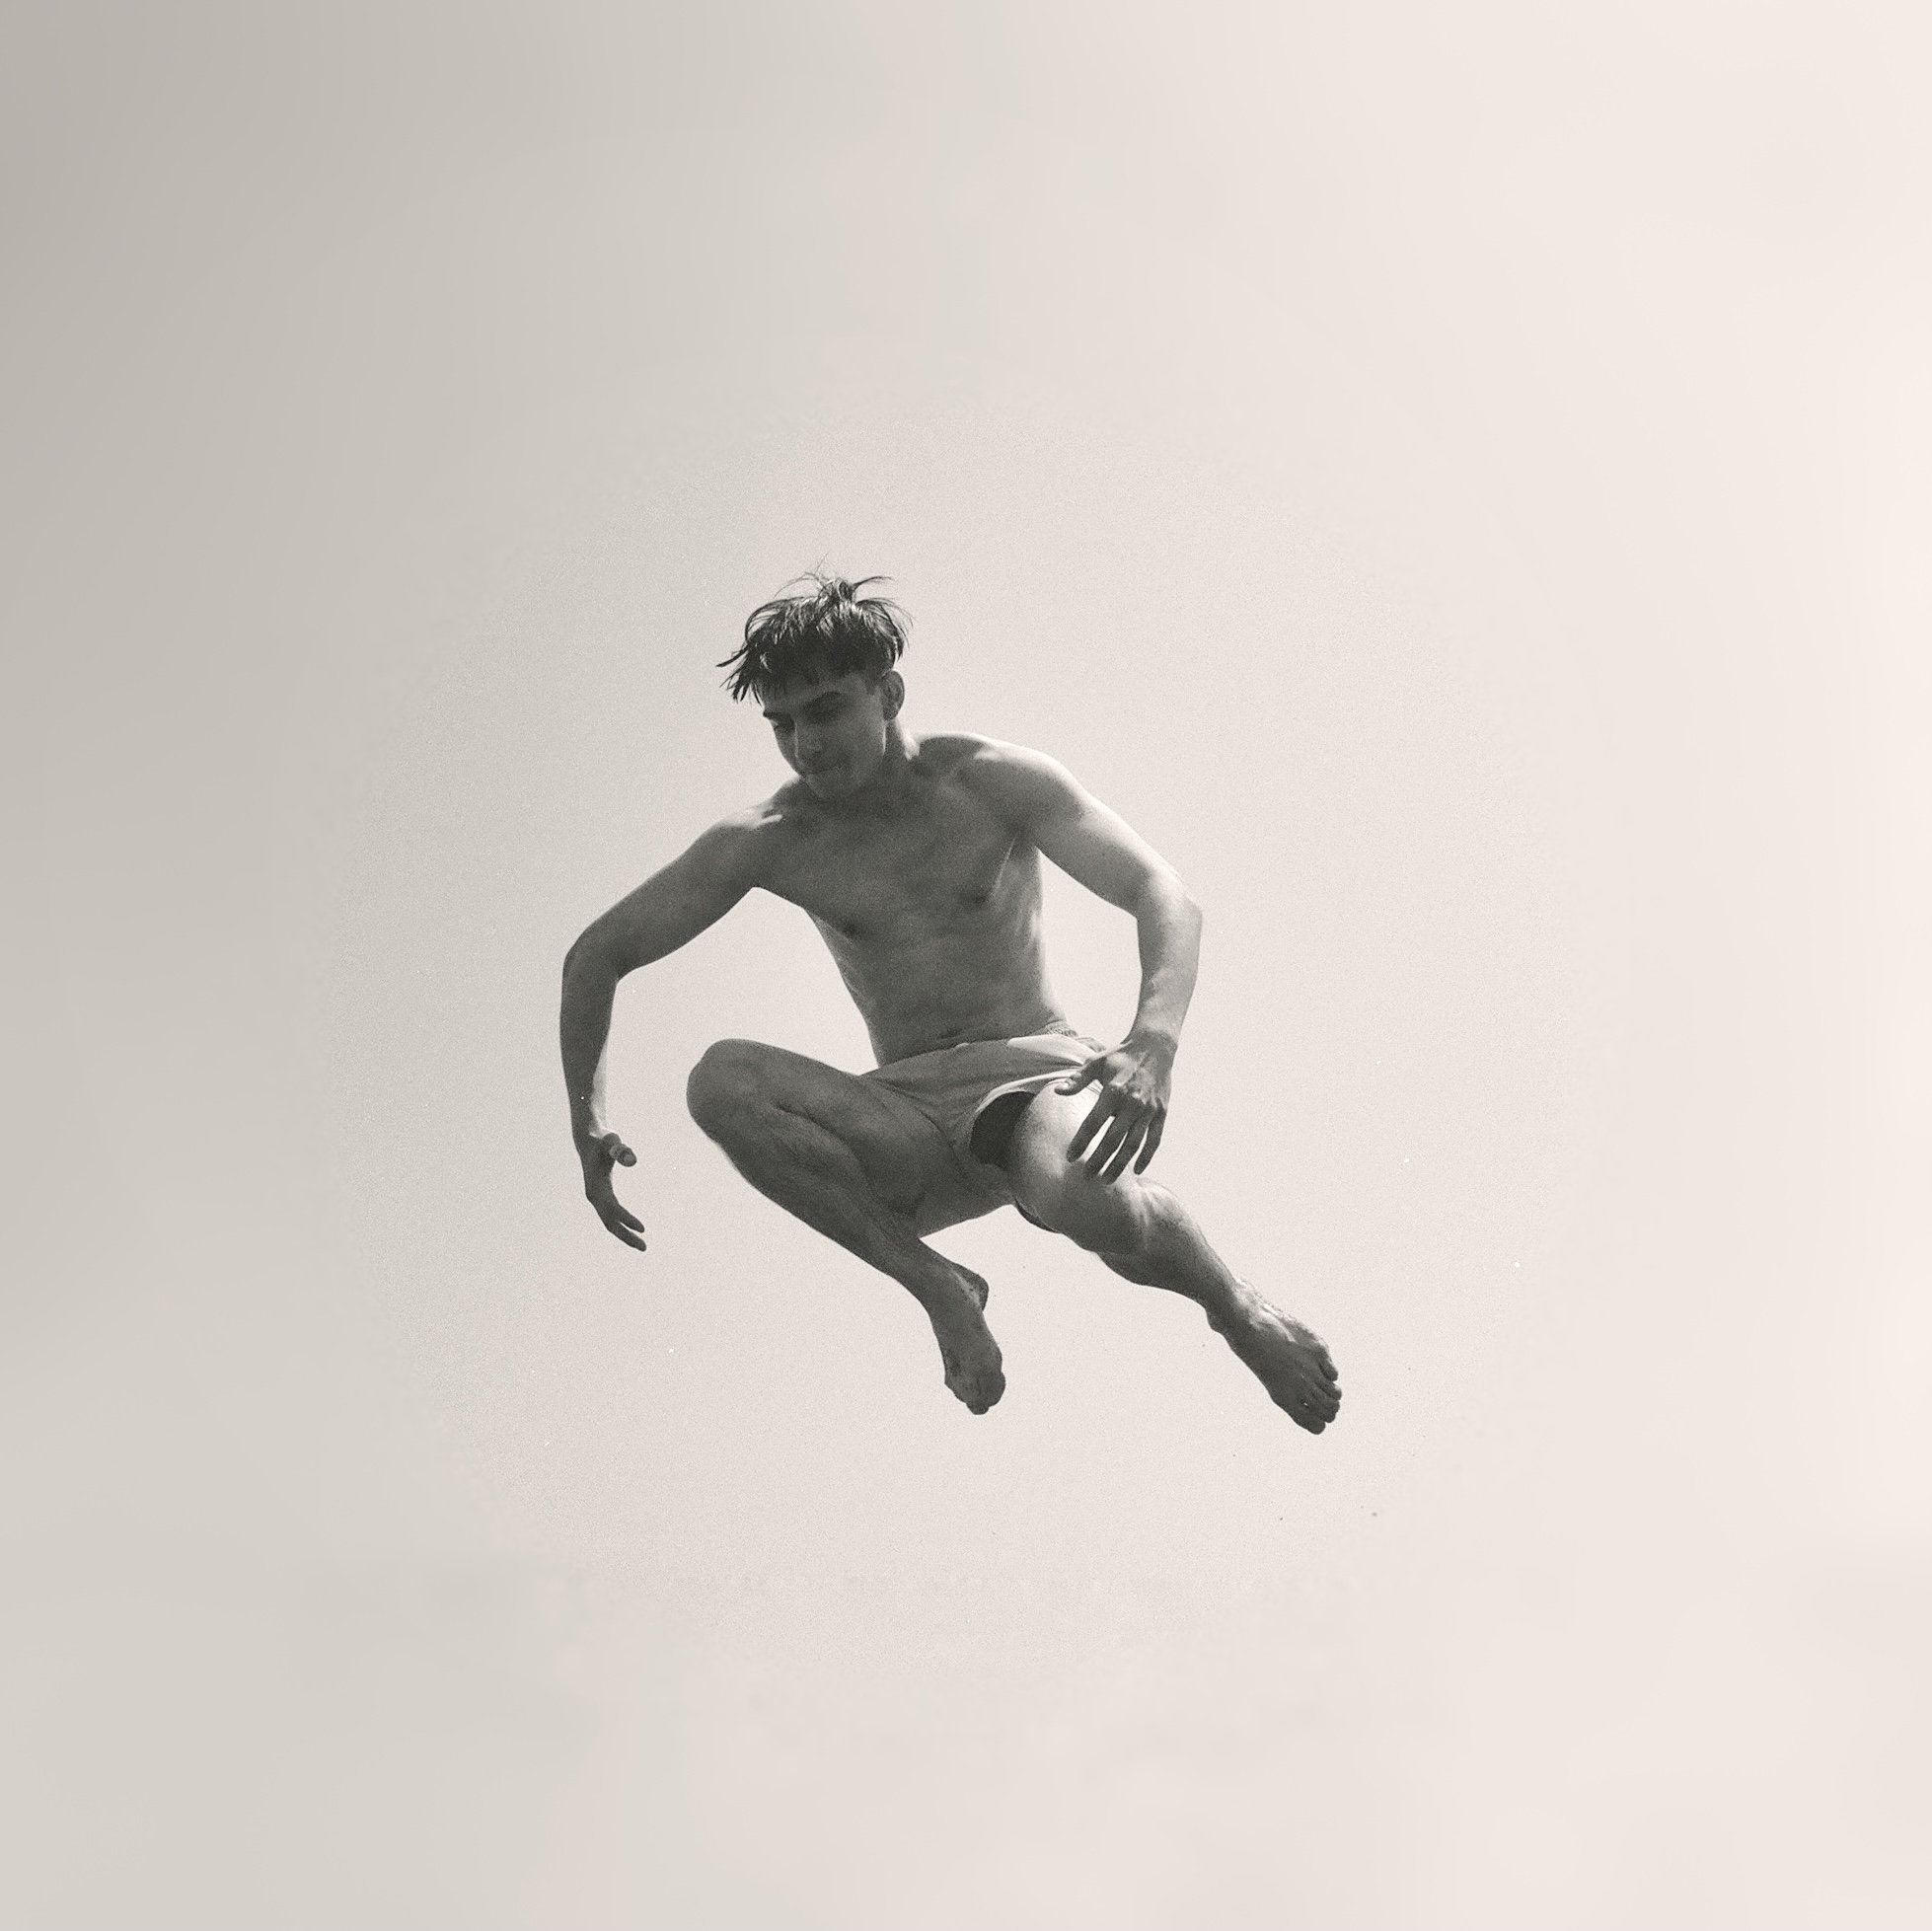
(1288, 1360)
(954, 1305)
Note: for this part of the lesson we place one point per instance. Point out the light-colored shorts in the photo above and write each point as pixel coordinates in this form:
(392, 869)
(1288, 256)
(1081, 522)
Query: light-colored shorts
(955, 1086)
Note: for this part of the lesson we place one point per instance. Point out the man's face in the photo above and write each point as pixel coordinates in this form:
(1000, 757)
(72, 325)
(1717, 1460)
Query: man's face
(832, 734)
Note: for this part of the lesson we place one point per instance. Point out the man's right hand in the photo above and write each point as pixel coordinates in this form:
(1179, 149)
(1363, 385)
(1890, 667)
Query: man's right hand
(600, 1154)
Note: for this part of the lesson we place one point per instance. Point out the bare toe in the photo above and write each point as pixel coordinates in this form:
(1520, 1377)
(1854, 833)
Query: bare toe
(978, 1384)
(1289, 1361)
(967, 1349)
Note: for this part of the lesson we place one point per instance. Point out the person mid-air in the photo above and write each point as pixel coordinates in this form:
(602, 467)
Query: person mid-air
(919, 860)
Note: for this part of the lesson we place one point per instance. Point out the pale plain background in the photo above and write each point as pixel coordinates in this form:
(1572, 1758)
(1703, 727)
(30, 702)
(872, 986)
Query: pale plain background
(1454, 479)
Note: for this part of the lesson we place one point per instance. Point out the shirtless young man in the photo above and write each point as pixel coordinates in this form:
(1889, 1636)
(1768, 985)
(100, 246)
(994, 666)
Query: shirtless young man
(919, 860)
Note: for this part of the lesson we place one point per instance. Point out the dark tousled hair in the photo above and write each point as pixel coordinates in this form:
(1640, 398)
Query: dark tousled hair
(822, 629)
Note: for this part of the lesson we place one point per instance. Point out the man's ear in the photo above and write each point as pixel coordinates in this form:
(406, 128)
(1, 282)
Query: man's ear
(892, 693)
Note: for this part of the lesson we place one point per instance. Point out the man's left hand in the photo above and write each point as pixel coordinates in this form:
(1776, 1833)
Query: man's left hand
(1135, 1079)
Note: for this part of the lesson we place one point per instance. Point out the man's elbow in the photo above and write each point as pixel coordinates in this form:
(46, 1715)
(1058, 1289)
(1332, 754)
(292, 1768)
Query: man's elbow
(1165, 893)
(593, 955)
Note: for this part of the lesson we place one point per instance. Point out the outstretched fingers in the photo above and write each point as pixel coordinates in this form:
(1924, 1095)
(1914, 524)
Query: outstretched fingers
(1153, 1141)
(623, 1223)
(1122, 1140)
(607, 1151)
(1113, 1124)
(1106, 1103)
(616, 1216)
(1117, 1128)
(1123, 1127)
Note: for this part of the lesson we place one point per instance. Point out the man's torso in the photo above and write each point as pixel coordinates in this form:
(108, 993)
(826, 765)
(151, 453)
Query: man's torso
(932, 908)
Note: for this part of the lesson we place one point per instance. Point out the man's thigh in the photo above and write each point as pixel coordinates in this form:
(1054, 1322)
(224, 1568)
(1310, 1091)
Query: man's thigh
(1059, 1193)
(903, 1155)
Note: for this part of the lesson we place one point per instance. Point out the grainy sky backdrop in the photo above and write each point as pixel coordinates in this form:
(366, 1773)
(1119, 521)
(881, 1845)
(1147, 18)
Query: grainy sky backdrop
(1455, 480)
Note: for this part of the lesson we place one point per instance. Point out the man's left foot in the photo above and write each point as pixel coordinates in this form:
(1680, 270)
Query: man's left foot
(1288, 1360)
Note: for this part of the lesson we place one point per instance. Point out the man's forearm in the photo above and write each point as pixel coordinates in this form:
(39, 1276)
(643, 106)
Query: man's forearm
(583, 1027)
(1169, 926)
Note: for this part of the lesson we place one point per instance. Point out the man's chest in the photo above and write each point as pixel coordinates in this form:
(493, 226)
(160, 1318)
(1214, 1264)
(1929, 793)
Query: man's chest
(881, 879)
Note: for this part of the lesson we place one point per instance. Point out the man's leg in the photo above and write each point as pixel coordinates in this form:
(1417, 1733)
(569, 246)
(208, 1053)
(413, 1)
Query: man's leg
(1145, 1235)
(866, 1168)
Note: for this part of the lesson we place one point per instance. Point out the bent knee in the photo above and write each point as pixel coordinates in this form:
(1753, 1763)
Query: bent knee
(724, 1083)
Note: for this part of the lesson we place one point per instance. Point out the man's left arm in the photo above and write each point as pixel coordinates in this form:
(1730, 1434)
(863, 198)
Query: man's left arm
(1104, 853)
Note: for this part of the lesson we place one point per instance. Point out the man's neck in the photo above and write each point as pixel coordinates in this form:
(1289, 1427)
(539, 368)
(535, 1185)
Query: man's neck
(885, 793)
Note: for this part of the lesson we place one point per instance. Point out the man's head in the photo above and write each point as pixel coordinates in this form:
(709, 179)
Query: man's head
(819, 661)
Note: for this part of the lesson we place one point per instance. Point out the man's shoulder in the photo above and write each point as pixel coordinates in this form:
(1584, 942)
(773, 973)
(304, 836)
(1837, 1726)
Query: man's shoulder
(967, 756)
(741, 842)
(1013, 779)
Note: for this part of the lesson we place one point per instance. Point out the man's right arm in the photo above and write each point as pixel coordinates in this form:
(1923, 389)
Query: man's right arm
(667, 911)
